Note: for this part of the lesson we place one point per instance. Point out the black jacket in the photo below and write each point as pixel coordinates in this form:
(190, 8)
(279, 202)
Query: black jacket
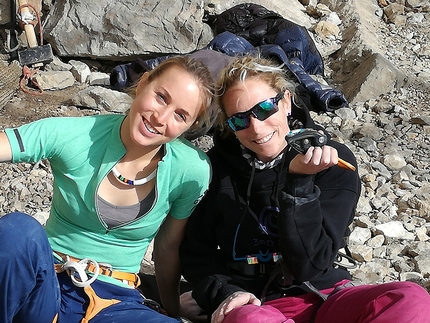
(304, 218)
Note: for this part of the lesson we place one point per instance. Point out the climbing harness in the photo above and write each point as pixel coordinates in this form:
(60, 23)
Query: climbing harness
(78, 269)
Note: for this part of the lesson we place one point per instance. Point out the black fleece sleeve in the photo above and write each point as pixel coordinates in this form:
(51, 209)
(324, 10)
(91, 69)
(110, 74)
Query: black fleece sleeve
(315, 214)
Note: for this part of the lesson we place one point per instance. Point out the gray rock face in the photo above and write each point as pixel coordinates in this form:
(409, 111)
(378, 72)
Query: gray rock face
(124, 29)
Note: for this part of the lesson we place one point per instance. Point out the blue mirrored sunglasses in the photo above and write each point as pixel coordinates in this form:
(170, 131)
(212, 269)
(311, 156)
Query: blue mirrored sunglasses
(261, 111)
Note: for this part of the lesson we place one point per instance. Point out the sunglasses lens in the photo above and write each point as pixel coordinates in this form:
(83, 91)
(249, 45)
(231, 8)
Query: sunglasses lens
(237, 123)
(266, 105)
(265, 109)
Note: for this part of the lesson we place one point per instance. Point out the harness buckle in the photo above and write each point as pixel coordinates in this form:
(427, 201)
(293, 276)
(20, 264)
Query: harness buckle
(78, 271)
(106, 269)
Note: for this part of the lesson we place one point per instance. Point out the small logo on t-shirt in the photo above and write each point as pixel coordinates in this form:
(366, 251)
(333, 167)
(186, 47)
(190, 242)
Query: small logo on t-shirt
(200, 197)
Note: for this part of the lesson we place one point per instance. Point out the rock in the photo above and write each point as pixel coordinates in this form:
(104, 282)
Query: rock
(80, 70)
(333, 18)
(376, 242)
(394, 13)
(327, 30)
(373, 70)
(99, 78)
(359, 235)
(55, 80)
(58, 65)
(394, 161)
(395, 229)
(105, 29)
(361, 253)
(100, 98)
(411, 276)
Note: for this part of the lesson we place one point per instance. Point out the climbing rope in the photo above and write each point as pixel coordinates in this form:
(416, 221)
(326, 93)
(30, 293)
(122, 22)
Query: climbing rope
(28, 75)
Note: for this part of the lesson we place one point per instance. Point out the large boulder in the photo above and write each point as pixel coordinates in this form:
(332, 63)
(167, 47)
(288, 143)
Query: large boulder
(125, 29)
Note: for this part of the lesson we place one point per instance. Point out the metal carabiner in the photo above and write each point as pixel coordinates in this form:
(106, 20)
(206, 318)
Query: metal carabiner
(77, 271)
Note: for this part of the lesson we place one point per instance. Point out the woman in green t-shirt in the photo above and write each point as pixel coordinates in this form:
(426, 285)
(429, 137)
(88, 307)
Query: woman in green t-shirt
(119, 182)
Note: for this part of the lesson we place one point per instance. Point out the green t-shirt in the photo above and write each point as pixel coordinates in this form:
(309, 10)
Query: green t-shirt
(81, 152)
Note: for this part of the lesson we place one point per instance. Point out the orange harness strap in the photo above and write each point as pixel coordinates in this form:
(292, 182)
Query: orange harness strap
(132, 280)
(96, 304)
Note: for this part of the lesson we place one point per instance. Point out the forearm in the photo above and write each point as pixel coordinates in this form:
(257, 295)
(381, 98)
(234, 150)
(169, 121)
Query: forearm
(167, 264)
(168, 274)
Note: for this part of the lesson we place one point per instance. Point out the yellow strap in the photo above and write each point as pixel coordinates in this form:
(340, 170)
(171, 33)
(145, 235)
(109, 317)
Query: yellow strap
(96, 304)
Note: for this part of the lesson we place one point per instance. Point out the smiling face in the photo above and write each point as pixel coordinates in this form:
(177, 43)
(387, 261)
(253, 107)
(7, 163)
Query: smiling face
(266, 138)
(163, 108)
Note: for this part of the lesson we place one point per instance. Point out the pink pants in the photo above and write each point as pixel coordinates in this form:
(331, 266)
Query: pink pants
(394, 302)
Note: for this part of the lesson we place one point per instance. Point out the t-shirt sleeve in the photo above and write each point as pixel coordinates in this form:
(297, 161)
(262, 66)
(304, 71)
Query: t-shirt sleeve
(195, 183)
(34, 141)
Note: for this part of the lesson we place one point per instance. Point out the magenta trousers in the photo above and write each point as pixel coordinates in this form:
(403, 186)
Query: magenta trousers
(394, 302)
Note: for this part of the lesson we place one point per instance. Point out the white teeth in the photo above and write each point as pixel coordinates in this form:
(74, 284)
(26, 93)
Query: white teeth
(265, 139)
(149, 127)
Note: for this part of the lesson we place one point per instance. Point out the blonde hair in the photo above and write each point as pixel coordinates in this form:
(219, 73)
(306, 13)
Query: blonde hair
(246, 67)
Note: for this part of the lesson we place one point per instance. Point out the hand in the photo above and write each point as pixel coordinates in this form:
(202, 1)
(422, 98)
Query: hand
(315, 160)
(234, 300)
(190, 310)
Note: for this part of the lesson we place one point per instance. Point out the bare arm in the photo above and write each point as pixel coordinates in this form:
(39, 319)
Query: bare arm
(5, 150)
(167, 263)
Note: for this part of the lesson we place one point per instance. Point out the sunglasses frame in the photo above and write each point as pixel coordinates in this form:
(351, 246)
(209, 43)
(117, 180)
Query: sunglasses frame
(253, 112)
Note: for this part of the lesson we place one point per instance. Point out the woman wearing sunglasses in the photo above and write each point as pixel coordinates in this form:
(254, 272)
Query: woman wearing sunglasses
(262, 245)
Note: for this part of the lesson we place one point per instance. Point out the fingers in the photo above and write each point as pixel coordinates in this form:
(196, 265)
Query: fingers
(219, 314)
(315, 160)
(190, 309)
(254, 300)
(233, 301)
(324, 156)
